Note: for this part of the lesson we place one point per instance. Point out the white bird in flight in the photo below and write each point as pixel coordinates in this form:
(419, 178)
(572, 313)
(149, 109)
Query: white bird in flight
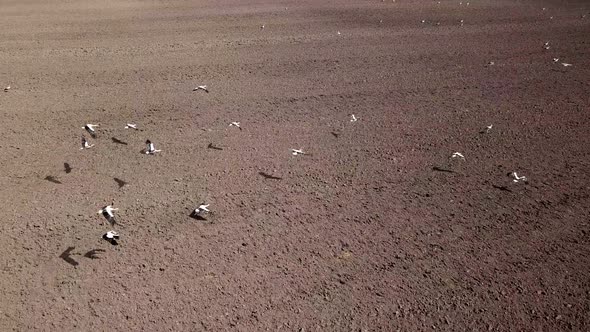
(235, 124)
(488, 128)
(296, 151)
(150, 149)
(566, 64)
(353, 118)
(107, 212)
(517, 178)
(203, 208)
(85, 144)
(198, 212)
(201, 87)
(90, 129)
(131, 126)
(458, 155)
(111, 237)
(555, 59)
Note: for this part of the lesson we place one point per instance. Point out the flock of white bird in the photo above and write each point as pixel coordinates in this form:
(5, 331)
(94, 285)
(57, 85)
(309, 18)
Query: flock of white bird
(546, 46)
(513, 175)
(200, 212)
(108, 211)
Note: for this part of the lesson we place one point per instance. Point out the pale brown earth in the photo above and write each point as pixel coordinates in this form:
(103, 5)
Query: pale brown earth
(377, 229)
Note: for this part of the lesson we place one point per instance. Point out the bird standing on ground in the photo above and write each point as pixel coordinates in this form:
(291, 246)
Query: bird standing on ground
(107, 212)
(150, 149)
(90, 129)
(7, 88)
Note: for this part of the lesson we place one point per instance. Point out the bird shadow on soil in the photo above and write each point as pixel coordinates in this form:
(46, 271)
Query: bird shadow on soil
(213, 147)
(268, 176)
(118, 141)
(93, 254)
(120, 182)
(67, 168)
(196, 216)
(502, 188)
(67, 255)
(440, 169)
(52, 179)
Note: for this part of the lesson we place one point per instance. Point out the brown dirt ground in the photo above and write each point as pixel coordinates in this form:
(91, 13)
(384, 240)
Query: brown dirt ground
(377, 229)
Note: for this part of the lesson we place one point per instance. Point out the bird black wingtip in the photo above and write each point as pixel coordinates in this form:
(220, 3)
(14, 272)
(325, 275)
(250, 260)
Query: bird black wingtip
(112, 241)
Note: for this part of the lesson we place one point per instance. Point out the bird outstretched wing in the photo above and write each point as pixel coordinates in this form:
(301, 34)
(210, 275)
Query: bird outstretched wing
(90, 131)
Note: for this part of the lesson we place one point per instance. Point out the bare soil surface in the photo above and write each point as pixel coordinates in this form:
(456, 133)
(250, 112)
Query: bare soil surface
(376, 228)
